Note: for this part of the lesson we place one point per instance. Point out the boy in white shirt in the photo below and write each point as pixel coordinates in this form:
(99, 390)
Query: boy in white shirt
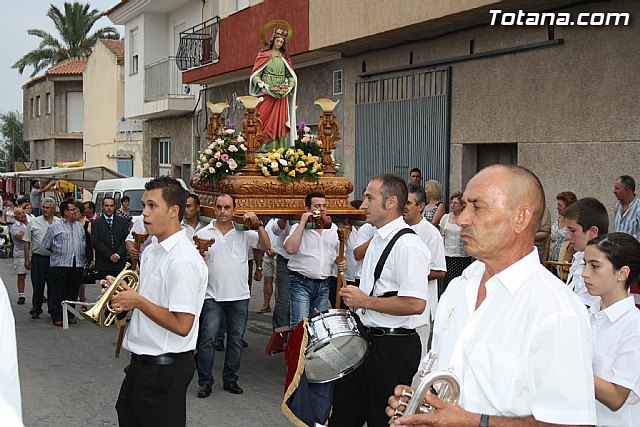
(585, 219)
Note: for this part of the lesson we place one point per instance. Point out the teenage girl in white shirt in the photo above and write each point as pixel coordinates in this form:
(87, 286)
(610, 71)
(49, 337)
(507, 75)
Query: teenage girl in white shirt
(612, 264)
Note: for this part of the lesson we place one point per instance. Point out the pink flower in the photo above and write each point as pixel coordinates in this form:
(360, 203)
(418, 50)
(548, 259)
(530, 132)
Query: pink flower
(212, 160)
(224, 157)
(232, 164)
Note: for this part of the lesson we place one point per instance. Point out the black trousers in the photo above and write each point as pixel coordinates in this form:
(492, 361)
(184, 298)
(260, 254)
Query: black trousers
(39, 271)
(155, 395)
(362, 395)
(64, 283)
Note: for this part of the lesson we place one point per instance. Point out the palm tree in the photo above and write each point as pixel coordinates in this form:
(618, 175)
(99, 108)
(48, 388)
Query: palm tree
(75, 42)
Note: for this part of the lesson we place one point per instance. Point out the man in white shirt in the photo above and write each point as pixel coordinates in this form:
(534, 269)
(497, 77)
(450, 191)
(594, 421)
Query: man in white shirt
(163, 330)
(281, 229)
(227, 292)
(312, 252)
(191, 221)
(431, 237)
(584, 221)
(36, 256)
(17, 230)
(10, 401)
(517, 339)
(389, 307)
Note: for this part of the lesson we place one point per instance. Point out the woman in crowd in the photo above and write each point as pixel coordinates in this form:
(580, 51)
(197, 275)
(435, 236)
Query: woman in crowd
(559, 232)
(7, 214)
(274, 79)
(28, 209)
(124, 210)
(454, 254)
(434, 209)
(612, 263)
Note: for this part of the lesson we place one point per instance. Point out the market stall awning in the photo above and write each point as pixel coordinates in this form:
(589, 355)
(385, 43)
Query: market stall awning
(83, 176)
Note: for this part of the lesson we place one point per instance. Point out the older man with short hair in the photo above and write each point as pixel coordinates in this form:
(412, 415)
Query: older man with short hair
(518, 339)
(36, 256)
(66, 241)
(627, 214)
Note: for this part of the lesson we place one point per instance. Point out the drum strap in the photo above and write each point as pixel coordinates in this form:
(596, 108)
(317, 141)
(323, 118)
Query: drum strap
(383, 259)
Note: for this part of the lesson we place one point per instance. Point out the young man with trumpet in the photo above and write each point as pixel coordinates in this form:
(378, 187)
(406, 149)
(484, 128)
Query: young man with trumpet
(162, 332)
(515, 336)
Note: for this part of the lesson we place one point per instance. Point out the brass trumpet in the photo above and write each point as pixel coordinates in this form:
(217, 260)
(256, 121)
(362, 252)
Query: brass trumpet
(444, 384)
(95, 314)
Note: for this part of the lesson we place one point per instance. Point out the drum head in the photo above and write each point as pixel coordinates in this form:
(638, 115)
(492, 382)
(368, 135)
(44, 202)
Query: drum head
(332, 355)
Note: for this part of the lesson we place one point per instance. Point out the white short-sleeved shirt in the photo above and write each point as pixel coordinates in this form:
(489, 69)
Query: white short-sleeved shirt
(354, 268)
(190, 230)
(405, 272)
(525, 351)
(616, 346)
(432, 238)
(172, 275)
(227, 260)
(365, 232)
(575, 282)
(281, 235)
(317, 253)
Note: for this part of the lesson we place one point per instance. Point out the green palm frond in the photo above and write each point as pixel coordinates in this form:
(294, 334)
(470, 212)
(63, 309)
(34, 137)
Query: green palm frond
(73, 24)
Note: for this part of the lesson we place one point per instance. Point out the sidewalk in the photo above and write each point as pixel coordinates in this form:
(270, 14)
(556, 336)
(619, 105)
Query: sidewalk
(71, 378)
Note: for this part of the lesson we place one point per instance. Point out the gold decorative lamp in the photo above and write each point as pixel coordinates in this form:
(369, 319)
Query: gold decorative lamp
(328, 132)
(215, 120)
(252, 128)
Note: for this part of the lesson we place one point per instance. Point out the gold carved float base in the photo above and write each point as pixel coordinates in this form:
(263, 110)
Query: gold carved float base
(269, 196)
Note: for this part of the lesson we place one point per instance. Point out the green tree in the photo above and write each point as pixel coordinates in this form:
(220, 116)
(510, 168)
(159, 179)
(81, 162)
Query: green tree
(73, 26)
(12, 147)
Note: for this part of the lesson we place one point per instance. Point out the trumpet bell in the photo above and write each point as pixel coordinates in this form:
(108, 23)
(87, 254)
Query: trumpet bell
(96, 313)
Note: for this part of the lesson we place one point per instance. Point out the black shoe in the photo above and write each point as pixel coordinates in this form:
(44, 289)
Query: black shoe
(220, 346)
(21, 300)
(35, 316)
(233, 388)
(245, 344)
(204, 391)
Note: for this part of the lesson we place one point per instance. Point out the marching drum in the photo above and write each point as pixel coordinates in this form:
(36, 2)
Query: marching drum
(336, 346)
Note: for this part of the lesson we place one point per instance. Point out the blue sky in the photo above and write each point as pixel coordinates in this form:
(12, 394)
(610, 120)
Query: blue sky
(18, 17)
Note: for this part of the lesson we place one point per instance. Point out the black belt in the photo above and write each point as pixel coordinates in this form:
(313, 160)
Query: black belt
(302, 276)
(374, 331)
(41, 256)
(162, 359)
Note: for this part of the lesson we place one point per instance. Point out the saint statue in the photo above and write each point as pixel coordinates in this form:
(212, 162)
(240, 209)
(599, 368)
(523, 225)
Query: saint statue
(274, 79)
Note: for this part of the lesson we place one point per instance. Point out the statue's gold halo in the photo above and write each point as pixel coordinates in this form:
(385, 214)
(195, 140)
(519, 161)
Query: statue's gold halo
(273, 23)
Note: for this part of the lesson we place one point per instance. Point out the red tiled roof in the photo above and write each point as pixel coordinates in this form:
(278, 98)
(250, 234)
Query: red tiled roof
(68, 67)
(116, 47)
(72, 67)
(116, 7)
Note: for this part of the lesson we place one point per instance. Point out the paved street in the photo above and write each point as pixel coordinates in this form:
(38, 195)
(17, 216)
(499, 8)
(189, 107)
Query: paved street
(71, 378)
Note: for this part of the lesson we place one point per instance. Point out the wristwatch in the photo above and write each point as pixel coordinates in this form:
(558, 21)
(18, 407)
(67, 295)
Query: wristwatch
(484, 420)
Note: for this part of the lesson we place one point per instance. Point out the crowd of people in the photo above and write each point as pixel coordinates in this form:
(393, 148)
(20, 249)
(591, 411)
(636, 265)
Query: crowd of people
(534, 333)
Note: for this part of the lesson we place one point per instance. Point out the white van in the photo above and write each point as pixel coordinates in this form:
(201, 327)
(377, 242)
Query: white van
(116, 188)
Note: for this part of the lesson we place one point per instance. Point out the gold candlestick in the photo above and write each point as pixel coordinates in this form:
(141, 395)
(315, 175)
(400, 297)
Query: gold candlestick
(215, 121)
(328, 132)
(252, 128)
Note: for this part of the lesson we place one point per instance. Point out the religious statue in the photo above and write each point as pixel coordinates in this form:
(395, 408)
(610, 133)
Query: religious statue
(274, 79)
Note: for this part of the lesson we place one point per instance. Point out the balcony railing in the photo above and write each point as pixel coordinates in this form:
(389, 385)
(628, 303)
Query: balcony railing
(162, 79)
(198, 45)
